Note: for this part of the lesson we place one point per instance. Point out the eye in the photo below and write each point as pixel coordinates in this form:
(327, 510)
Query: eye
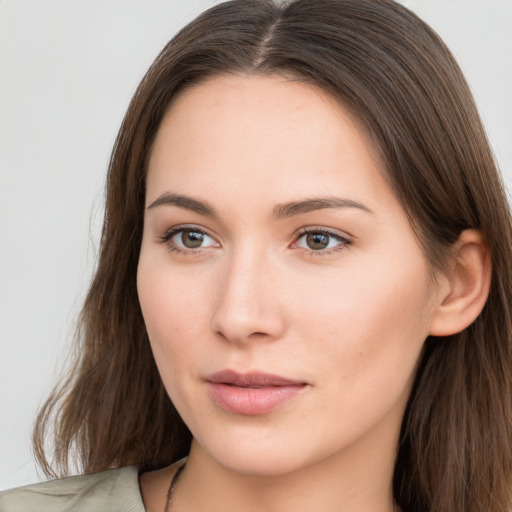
(188, 239)
(321, 241)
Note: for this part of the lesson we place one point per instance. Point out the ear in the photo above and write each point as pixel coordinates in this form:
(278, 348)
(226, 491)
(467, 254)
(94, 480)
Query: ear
(464, 291)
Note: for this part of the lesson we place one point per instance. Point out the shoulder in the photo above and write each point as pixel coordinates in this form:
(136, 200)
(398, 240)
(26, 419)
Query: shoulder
(116, 490)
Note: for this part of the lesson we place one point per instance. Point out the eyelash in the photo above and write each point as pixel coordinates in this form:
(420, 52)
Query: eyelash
(172, 247)
(344, 242)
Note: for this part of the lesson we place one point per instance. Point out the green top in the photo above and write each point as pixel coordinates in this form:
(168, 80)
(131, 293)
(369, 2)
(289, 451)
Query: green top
(116, 490)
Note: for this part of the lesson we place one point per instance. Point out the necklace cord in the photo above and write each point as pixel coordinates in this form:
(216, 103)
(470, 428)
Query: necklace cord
(170, 491)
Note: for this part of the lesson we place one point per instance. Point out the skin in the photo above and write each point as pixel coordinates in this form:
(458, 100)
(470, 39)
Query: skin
(349, 320)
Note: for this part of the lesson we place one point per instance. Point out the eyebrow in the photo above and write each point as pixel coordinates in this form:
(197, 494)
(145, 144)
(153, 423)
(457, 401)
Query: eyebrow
(281, 211)
(286, 210)
(185, 202)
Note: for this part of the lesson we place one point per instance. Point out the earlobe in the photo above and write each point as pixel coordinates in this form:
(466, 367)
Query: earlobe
(466, 288)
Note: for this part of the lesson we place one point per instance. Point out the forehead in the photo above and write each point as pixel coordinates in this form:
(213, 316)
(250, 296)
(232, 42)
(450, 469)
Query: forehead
(263, 135)
(260, 103)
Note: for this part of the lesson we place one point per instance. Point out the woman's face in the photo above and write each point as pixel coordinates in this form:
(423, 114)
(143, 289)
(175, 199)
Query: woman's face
(284, 292)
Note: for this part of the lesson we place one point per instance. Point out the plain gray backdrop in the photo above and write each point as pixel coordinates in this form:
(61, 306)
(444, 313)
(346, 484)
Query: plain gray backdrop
(67, 72)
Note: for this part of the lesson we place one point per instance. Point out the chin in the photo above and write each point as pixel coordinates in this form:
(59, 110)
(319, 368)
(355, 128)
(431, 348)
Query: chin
(264, 456)
(260, 464)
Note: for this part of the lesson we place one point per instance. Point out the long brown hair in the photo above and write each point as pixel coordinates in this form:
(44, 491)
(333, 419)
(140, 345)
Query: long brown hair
(399, 79)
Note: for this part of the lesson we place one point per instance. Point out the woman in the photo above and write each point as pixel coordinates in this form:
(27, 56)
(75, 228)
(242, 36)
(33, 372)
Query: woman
(306, 248)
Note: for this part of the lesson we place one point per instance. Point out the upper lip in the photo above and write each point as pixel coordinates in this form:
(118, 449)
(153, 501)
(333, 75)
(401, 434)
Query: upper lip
(251, 379)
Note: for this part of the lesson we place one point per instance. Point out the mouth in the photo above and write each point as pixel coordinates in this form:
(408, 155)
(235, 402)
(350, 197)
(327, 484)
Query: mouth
(252, 393)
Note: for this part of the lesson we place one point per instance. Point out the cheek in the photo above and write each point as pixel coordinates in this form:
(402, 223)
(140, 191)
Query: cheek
(371, 324)
(173, 310)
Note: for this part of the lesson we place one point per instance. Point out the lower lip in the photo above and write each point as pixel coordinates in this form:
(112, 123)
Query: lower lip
(251, 401)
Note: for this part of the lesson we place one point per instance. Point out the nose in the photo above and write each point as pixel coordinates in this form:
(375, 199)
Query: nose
(247, 307)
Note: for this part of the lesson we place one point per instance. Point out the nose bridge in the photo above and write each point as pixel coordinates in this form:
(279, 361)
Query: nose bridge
(247, 305)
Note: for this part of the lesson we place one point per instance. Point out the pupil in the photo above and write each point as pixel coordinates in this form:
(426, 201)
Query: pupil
(317, 240)
(192, 239)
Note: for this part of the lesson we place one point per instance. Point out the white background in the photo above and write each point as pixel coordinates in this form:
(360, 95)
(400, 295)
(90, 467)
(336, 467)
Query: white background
(67, 72)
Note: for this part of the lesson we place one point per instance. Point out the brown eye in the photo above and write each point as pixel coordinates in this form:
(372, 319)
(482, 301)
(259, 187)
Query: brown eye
(192, 239)
(317, 241)
(321, 241)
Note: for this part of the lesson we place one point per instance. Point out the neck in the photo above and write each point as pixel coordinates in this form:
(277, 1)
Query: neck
(345, 482)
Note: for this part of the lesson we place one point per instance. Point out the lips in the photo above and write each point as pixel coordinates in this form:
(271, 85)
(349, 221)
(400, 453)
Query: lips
(252, 393)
